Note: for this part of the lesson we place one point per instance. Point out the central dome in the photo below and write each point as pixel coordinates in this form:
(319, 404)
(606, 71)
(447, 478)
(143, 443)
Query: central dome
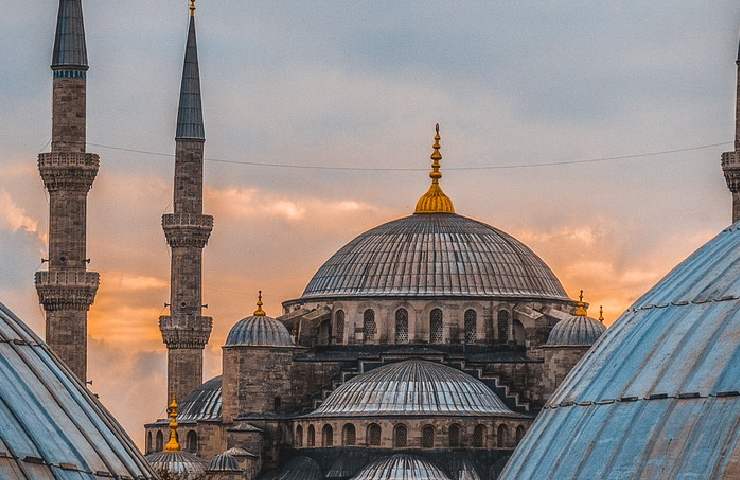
(413, 387)
(434, 254)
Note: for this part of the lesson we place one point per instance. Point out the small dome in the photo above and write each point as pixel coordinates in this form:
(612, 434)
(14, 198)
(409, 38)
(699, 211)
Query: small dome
(239, 452)
(259, 331)
(577, 330)
(413, 387)
(401, 467)
(176, 462)
(223, 463)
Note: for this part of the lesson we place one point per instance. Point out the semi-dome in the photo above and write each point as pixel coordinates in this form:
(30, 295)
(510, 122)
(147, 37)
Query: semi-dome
(223, 462)
(413, 387)
(203, 403)
(259, 330)
(177, 462)
(658, 396)
(299, 468)
(401, 467)
(52, 427)
(577, 331)
(434, 252)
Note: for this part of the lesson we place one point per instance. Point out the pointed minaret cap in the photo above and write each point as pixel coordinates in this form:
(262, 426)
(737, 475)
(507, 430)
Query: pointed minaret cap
(435, 200)
(70, 50)
(173, 444)
(189, 112)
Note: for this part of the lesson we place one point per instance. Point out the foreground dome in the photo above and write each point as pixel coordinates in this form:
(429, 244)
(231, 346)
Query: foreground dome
(50, 424)
(401, 467)
(179, 463)
(413, 387)
(658, 396)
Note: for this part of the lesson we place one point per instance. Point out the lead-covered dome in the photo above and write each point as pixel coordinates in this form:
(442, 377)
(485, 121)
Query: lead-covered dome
(577, 331)
(413, 387)
(434, 254)
(658, 396)
(259, 331)
(401, 467)
(179, 463)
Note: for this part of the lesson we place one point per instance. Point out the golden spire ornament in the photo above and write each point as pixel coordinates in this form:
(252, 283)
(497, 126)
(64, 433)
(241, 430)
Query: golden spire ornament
(601, 313)
(259, 312)
(435, 200)
(192, 8)
(173, 444)
(581, 307)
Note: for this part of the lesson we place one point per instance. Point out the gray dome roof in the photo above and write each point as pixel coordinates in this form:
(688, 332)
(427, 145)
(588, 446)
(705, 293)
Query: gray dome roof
(575, 331)
(413, 387)
(401, 467)
(300, 468)
(223, 462)
(176, 462)
(259, 331)
(52, 427)
(203, 403)
(658, 396)
(435, 254)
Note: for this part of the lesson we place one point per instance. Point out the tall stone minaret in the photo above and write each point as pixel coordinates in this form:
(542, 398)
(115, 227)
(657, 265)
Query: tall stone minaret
(185, 331)
(67, 290)
(731, 160)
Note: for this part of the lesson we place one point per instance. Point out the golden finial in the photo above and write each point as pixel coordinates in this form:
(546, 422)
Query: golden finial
(259, 312)
(581, 307)
(435, 200)
(601, 313)
(173, 444)
(192, 8)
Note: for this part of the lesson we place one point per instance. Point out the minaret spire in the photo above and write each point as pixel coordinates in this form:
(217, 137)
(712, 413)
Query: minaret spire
(731, 160)
(67, 290)
(185, 331)
(435, 200)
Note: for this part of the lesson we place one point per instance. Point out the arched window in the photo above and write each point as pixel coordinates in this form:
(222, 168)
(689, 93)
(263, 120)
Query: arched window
(327, 436)
(299, 435)
(520, 431)
(148, 442)
(325, 332)
(454, 435)
(502, 436)
(369, 324)
(374, 433)
(435, 326)
(479, 436)
(348, 434)
(503, 326)
(402, 326)
(427, 436)
(160, 441)
(339, 327)
(470, 320)
(311, 436)
(277, 403)
(192, 442)
(400, 435)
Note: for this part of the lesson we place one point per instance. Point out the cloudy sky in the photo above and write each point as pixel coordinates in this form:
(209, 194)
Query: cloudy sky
(361, 84)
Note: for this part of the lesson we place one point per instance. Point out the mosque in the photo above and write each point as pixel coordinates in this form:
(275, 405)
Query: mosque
(432, 347)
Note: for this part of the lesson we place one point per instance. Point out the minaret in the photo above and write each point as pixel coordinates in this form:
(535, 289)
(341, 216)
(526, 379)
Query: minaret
(185, 331)
(67, 290)
(731, 160)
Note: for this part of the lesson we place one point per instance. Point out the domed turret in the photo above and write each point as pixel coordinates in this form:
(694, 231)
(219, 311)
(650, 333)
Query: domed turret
(223, 462)
(401, 467)
(578, 330)
(173, 459)
(259, 330)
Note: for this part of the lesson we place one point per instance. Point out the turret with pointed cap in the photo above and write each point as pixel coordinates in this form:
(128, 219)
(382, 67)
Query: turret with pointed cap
(185, 331)
(70, 50)
(731, 160)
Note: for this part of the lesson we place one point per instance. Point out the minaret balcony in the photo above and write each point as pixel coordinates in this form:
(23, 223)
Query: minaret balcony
(74, 171)
(187, 229)
(731, 167)
(67, 290)
(185, 330)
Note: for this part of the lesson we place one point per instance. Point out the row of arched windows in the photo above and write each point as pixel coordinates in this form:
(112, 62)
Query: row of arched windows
(436, 326)
(191, 442)
(429, 437)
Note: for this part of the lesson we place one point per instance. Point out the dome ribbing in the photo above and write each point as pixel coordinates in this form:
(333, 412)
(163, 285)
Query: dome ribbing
(401, 467)
(259, 331)
(575, 331)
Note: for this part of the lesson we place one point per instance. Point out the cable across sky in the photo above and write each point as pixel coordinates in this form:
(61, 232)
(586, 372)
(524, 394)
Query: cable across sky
(417, 169)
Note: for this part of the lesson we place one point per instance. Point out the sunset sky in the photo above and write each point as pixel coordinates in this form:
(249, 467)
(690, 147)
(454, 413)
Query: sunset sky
(361, 84)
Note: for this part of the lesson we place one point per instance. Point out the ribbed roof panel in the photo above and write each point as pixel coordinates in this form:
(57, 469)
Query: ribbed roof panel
(658, 396)
(203, 403)
(437, 254)
(575, 331)
(70, 49)
(401, 467)
(180, 463)
(223, 462)
(49, 420)
(259, 331)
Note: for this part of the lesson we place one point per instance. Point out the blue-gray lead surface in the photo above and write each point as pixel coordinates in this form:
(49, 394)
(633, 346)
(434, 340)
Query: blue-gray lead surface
(51, 427)
(401, 467)
(259, 331)
(70, 49)
(436, 254)
(658, 396)
(189, 111)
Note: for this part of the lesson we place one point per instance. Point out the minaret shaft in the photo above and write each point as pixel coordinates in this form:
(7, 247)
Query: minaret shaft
(186, 331)
(731, 160)
(67, 290)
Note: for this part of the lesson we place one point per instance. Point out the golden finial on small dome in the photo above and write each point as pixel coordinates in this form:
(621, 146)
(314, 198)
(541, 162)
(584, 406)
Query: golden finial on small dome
(173, 444)
(192, 8)
(581, 307)
(259, 312)
(435, 200)
(601, 313)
